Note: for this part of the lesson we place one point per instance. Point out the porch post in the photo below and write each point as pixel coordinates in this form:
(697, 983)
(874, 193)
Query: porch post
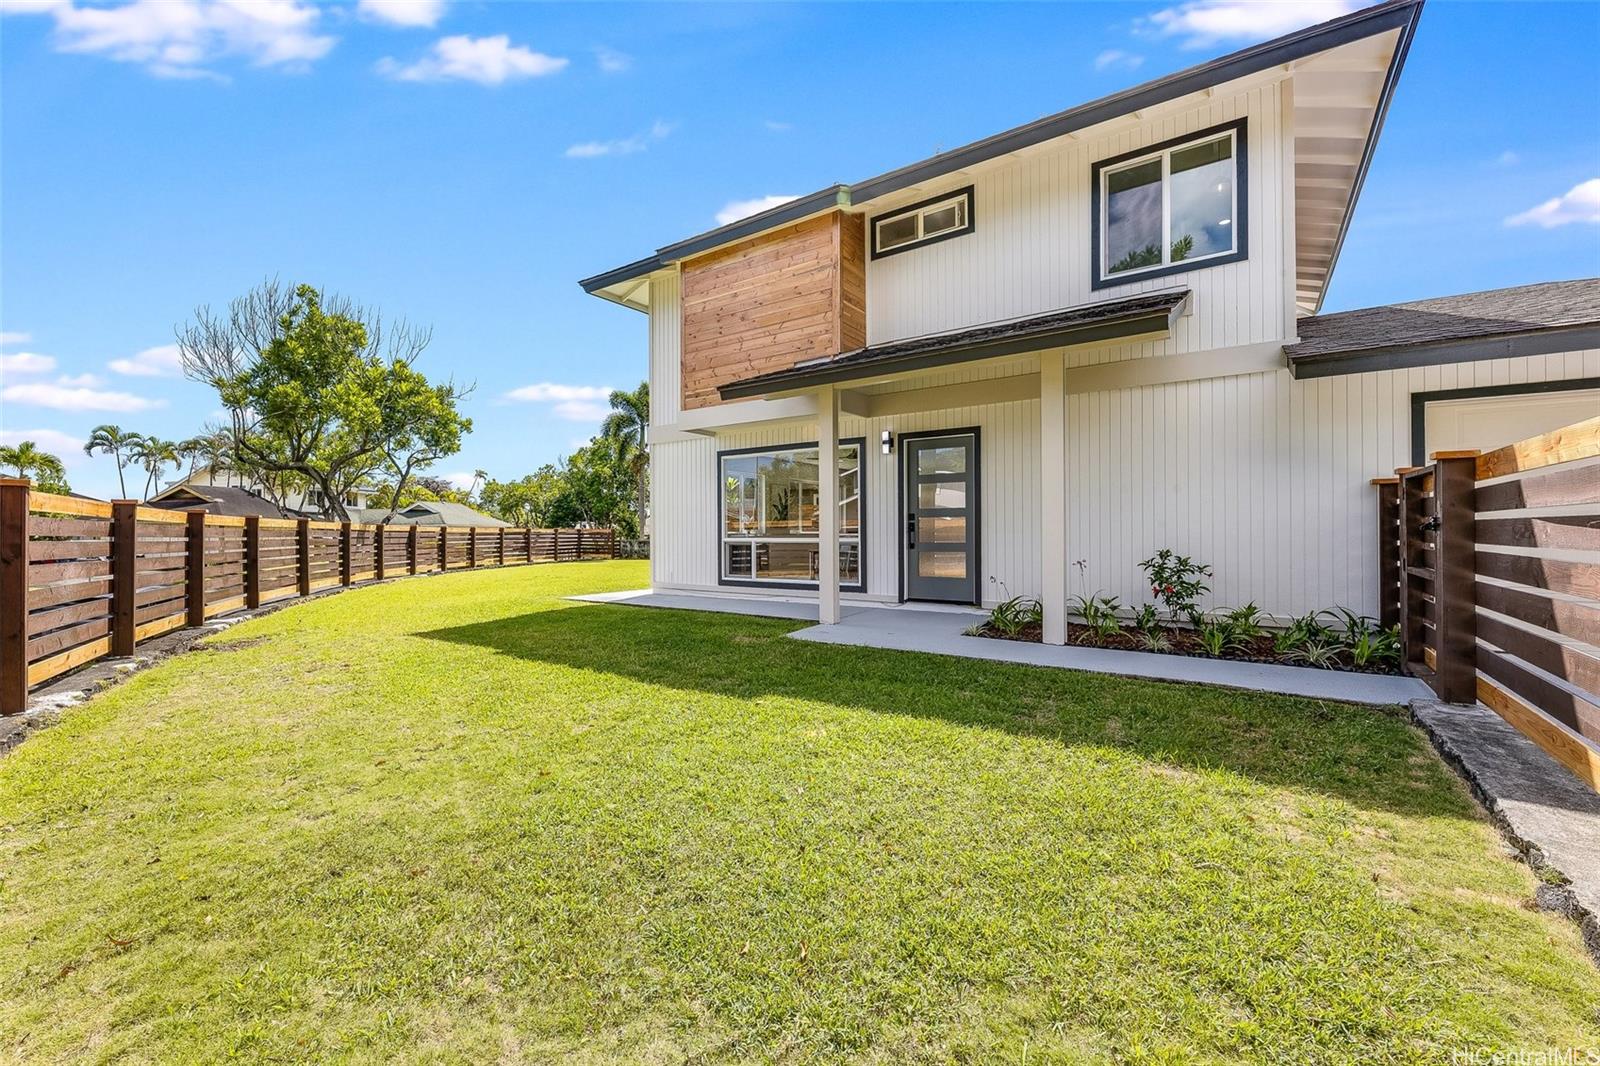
(828, 505)
(1053, 494)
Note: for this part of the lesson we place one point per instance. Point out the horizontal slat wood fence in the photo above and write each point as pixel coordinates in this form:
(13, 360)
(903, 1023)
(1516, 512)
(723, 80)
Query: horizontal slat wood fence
(1490, 565)
(82, 579)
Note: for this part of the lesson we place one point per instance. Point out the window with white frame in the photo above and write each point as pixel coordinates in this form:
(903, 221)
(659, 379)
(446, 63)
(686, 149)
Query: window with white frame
(770, 516)
(1171, 207)
(923, 223)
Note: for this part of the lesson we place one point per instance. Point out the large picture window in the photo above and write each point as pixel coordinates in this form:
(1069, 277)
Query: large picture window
(770, 519)
(1171, 207)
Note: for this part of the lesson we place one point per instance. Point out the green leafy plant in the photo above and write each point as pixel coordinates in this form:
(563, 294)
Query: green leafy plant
(1246, 620)
(1375, 647)
(1015, 615)
(1298, 633)
(1099, 615)
(1147, 622)
(1182, 247)
(1176, 581)
(1217, 636)
(1321, 650)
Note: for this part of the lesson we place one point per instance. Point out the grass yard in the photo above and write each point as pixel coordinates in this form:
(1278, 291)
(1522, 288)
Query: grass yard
(459, 819)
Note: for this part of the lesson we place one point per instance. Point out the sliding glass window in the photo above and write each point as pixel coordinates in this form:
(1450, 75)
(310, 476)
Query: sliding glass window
(770, 517)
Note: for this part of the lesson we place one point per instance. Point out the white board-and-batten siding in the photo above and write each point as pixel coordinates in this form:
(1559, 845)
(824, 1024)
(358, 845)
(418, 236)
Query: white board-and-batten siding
(1263, 477)
(1029, 252)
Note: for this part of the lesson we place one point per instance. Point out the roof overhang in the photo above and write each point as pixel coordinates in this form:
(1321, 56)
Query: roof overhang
(1507, 345)
(1143, 317)
(1364, 105)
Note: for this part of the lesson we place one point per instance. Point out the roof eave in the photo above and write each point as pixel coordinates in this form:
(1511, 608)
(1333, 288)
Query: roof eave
(1552, 341)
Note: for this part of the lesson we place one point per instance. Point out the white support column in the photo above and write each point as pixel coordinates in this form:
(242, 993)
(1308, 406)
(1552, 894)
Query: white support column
(828, 505)
(1053, 493)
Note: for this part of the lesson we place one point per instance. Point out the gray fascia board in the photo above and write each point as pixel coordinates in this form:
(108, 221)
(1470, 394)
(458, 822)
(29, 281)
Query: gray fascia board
(831, 374)
(793, 211)
(622, 273)
(1468, 350)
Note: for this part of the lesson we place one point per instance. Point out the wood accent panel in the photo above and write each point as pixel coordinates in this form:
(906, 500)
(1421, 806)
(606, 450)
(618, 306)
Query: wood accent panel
(1581, 441)
(768, 303)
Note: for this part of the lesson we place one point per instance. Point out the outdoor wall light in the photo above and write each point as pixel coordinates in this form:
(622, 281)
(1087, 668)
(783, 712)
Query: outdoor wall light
(888, 442)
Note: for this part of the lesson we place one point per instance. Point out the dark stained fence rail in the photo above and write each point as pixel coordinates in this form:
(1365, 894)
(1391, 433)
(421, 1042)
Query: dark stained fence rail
(82, 579)
(1495, 583)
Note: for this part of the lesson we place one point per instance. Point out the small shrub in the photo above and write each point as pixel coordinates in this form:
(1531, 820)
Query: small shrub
(1300, 632)
(1246, 621)
(1376, 647)
(1099, 614)
(1321, 650)
(1015, 615)
(1175, 580)
(1217, 636)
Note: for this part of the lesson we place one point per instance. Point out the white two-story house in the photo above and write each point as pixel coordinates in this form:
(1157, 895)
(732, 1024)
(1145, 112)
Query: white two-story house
(1035, 360)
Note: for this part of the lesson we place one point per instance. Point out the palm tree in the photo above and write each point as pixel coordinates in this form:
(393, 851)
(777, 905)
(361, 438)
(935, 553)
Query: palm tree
(154, 454)
(192, 449)
(29, 461)
(629, 425)
(113, 442)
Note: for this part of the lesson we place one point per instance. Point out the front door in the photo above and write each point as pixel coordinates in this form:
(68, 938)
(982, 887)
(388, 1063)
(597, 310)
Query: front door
(940, 492)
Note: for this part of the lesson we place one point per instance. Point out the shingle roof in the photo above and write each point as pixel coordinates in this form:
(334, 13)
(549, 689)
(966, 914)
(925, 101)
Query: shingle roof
(1106, 320)
(220, 500)
(1404, 332)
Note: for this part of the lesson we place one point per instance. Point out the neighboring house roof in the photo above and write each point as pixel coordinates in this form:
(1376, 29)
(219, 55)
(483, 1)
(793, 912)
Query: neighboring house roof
(427, 513)
(1106, 320)
(1401, 15)
(217, 499)
(1556, 316)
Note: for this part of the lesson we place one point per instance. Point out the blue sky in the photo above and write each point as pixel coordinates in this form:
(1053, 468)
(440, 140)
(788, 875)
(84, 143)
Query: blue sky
(463, 164)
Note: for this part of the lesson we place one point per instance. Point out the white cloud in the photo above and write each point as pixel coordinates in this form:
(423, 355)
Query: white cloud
(574, 403)
(27, 363)
(402, 12)
(162, 361)
(63, 446)
(612, 61)
(1116, 57)
(66, 395)
(485, 60)
(626, 146)
(10, 337)
(85, 381)
(1507, 158)
(461, 479)
(1581, 203)
(774, 126)
(179, 38)
(1202, 23)
(734, 210)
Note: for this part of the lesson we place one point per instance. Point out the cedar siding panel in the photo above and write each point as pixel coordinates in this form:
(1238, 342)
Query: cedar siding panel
(771, 302)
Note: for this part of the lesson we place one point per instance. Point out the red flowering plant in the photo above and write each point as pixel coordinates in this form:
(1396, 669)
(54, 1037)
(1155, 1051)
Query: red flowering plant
(1175, 582)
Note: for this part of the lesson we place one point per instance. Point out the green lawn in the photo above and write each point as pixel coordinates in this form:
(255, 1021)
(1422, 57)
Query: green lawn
(460, 819)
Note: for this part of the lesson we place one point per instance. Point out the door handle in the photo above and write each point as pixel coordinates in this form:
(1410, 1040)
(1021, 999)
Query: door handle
(911, 530)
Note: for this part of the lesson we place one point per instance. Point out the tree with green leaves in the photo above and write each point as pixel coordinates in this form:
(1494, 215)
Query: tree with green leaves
(600, 481)
(154, 455)
(537, 499)
(628, 425)
(421, 426)
(112, 441)
(30, 461)
(316, 388)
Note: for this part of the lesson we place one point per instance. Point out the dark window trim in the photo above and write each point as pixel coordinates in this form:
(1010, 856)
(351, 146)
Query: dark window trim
(976, 433)
(1421, 400)
(872, 223)
(1239, 127)
(860, 585)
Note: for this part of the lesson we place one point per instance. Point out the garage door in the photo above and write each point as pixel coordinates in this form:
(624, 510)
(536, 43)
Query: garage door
(1487, 422)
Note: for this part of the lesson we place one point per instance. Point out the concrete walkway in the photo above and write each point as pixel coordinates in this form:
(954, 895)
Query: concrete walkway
(941, 631)
(1551, 816)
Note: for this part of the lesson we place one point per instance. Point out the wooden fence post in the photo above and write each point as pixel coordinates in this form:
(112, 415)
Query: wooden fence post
(527, 537)
(444, 548)
(411, 550)
(124, 580)
(302, 544)
(472, 547)
(1388, 550)
(344, 554)
(502, 546)
(1455, 630)
(13, 595)
(252, 561)
(1411, 618)
(194, 567)
(379, 536)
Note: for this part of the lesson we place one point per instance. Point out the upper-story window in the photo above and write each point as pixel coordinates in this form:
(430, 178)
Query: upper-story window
(1174, 206)
(922, 223)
